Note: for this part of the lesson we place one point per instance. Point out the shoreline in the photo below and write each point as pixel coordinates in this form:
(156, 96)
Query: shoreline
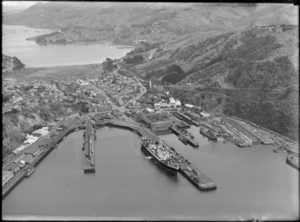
(105, 41)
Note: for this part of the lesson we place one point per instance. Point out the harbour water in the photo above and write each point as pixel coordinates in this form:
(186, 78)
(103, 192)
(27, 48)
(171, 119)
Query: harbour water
(14, 43)
(252, 183)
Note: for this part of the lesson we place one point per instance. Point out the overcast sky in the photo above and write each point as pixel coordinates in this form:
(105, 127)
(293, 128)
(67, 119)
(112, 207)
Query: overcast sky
(13, 5)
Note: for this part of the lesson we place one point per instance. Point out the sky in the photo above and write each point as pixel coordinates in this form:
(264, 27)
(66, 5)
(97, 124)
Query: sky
(16, 5)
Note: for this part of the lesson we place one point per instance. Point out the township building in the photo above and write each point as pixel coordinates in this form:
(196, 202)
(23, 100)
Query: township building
(168, 106)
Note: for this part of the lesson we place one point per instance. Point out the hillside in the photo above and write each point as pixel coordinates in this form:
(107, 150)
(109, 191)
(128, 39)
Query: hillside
(251, 73)
(10, 64)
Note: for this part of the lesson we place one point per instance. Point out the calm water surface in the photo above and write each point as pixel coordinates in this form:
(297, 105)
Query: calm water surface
(33, 55)
(252, 182)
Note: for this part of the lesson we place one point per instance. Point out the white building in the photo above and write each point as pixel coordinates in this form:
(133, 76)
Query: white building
(204, 114)
(171, 105)
(150, 110)
(82, 82)
(188, 106)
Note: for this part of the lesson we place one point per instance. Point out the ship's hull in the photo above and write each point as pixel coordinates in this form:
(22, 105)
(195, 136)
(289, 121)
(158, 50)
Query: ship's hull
(183, 140)
(211, 137)
(165, 167)
(29, 172)
(292, 162)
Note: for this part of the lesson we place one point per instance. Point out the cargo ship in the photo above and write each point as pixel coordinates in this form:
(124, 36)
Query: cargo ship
(293, 161)
(161, 154)
(29, 172)
(208, 133)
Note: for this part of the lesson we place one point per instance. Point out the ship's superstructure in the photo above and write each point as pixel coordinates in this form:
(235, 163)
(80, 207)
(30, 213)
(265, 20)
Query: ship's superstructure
(161, 154)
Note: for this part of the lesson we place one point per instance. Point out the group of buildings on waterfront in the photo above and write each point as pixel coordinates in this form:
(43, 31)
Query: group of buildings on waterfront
(155, 112)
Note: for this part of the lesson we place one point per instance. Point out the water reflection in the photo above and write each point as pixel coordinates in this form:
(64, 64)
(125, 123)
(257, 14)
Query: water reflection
(129, 186)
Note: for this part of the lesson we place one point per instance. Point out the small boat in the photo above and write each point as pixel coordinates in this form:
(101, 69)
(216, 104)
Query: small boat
(29, 172)
(148, 157)
(293, 161)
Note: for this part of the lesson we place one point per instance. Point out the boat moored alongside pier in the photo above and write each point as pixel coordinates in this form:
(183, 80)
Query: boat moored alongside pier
(161, 155)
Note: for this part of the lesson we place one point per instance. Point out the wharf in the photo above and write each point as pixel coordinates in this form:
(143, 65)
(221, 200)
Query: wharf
(194, 175)
(19, 177)
(293, 160)
(183, 117)
(183, 125)
(195, 123)
(179, 132)
(11, 184)
(89, 149)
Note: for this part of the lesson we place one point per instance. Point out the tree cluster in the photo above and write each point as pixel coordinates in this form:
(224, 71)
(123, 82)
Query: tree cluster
(174, 74)
(134, 60)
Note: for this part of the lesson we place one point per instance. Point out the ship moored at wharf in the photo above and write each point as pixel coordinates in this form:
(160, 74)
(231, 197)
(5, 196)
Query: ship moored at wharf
(293, 161)
(161, 154)
(185, 134)
(205, 131)
(29, 172)
(183, 140)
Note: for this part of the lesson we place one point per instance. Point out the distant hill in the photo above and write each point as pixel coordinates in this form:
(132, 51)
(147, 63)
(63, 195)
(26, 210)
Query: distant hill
(153, 21)
(10, 64)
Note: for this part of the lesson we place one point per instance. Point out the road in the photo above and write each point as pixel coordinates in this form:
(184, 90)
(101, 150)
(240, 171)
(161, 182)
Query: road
(122, 108)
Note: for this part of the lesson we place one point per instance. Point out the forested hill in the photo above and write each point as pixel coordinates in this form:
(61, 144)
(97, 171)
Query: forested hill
(252, 74)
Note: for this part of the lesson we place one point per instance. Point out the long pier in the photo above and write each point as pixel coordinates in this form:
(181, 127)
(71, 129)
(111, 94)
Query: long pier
(89, 149)
(193, 174)
(190, 140)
